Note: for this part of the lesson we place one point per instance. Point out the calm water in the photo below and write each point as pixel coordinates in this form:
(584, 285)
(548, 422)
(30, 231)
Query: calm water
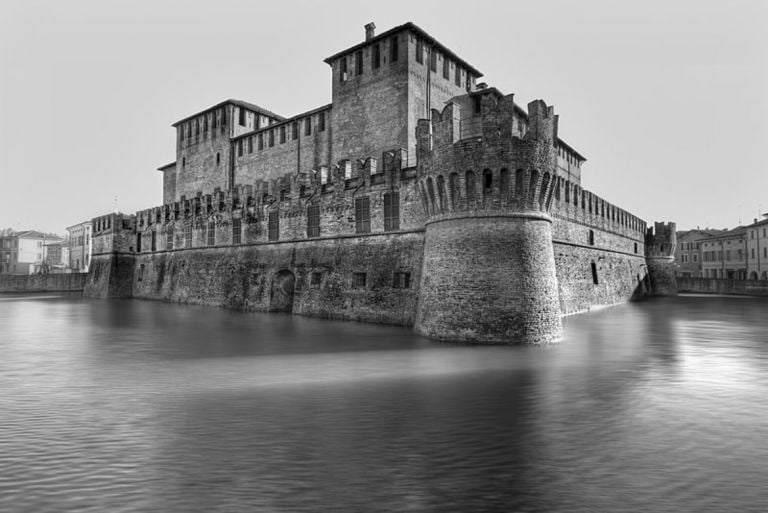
(123, 405)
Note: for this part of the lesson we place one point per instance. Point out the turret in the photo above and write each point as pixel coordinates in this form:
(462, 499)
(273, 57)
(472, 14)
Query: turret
(660, 244)
(488, 270)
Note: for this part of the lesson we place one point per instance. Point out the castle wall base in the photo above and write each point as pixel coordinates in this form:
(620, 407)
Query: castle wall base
(662, 275)
(490, 280)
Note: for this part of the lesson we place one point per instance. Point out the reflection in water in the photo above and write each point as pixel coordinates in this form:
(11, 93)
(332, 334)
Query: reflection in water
(141, 406)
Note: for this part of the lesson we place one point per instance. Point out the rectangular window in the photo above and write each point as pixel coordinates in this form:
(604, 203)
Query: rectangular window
(282, 134)
(343, 69)
(457, 76)
(358, 280)
(394, 49)
(313, 221)
(446, 68)
(169, 239)
(154, 241)
(138, 243)
(236, 230)
(240, 148)
(250, 145)
(478, 100)
(419, 51)
(391, 211)
(376, 57)
(241, 119)
(260, 142)
(401, 281)
(308, 126)
(273, 226)
(321, 121)
(188, 236)
(294, 131)
(211, 233)
(271, 138)
(315, 279)
(362, 215)
(359, 62)
(433, 60)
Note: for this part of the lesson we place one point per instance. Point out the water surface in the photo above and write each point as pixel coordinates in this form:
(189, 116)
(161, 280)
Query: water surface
(127, 405)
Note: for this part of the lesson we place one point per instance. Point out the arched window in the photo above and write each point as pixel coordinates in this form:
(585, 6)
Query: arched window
(423, 195)
(487, 183)
(470, 184)
(503, 184)
(441, 192)
(543, 192)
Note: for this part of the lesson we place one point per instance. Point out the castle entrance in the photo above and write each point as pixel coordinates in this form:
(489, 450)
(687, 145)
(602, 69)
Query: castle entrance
(281, 298)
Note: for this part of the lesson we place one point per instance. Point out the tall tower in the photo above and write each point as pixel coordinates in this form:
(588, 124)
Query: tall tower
(660, 244)
(489, 269)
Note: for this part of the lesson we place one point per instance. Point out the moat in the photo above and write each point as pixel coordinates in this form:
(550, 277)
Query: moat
(129, 405)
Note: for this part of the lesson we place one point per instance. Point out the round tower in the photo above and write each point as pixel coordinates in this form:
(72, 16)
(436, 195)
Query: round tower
(489, 270)
(660, 244)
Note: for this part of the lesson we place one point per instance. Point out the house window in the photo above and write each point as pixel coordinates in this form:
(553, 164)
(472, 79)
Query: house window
(446, 68)
(391, 211)
(419, 51)
(169, 239)
(294, 131)
(358, 280)
(359, 62)
(308, 126)
(273, 226)
(241, 119)
(321, 121)
(376, 56)
(188, 236)
(315, 279)
(695, 256)
(343, 69)
(401, 280)
(313, 221)
(282, 134)
(211, 233)
(433, 60)
(237, 230)
(362, 215)
(394, 50)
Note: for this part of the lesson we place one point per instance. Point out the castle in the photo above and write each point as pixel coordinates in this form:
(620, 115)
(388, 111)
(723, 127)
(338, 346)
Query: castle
(417, 197)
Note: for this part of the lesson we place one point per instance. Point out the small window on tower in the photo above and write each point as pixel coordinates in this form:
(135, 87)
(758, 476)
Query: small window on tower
(394, 50)
(376, 56)
(359, 62)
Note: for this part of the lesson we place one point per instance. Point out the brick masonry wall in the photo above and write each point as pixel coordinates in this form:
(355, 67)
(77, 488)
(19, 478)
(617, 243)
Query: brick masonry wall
(489, 280)
(196, 165)
(72, 282)
(243, 277)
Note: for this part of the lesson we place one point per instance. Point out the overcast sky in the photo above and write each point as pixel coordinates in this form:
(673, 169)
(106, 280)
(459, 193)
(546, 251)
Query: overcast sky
(666, 99)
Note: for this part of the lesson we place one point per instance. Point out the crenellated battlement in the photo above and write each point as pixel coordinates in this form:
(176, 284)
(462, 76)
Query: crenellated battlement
(661, 240)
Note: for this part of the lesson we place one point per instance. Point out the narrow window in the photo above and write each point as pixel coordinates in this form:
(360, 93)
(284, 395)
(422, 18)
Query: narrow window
(376, 56)
(478, 104)
(401, 280)
(250, 145)
(315, 280)
(241, 119)
(343, 69)
(274, 226)
(591, 238)
(594, 273)
(391, 211)
(294, 131)
(211, 233)
(282, 134)
(308, 126)
(240, 148)
(419, 51)
(470, 184)
(188, 236)
(457, 76)
(237, 230)
(260, 142)
(218, 158)
(446, 68)
(169, 239)
(321, 121)
(359, 62)
(271, 138)
(362, 215)
(487, 182)
(394, 50)
(138, 243)
(141, 271)
(358, 280)
(433, 60)
(313, 221)
(694, 256)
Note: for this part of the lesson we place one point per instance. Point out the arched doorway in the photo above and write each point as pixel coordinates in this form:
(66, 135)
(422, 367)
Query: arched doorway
(753, 276)
(281, 297)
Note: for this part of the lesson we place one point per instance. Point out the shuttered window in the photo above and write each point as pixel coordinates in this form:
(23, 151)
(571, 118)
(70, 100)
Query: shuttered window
(363, 215)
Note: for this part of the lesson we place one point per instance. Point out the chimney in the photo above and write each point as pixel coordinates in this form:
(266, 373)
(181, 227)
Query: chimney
(370, 31)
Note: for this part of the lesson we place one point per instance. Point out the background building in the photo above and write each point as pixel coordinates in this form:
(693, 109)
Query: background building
(80, 247)
(757, 250)
(26, 252)
(725, 255)
(688, 251)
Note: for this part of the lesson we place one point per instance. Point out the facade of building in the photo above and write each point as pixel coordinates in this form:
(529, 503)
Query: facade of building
(26, 252)
(757, 250)
(417, 197)
(80, 246)
(688, 257)
(725, 255)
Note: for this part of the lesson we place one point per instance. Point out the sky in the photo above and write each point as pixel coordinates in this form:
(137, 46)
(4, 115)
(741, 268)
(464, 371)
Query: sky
(667, 100)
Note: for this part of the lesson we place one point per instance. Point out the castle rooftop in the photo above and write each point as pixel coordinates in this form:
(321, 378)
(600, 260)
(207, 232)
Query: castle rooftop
(232, 101)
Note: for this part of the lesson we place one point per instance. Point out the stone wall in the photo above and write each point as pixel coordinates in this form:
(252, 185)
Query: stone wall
(71, 282)
(723, 286)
